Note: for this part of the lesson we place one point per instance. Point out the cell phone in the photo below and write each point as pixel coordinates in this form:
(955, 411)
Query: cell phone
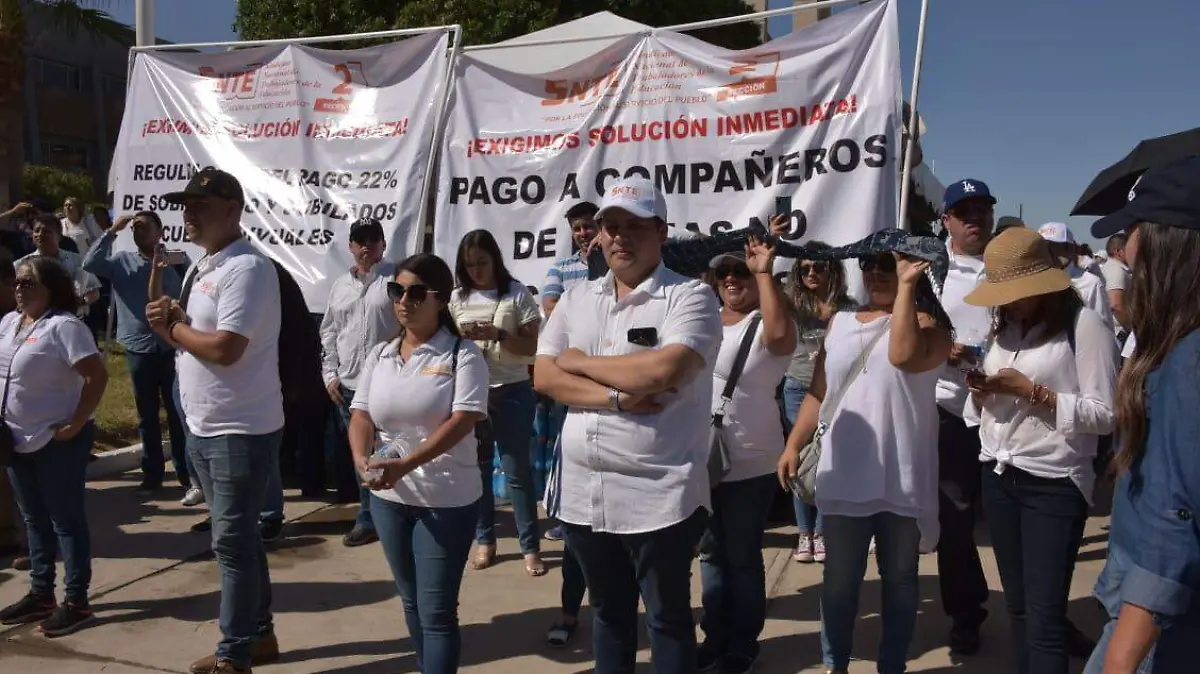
(643, 336)
(783, 205)
(175, 258)
(974, 375)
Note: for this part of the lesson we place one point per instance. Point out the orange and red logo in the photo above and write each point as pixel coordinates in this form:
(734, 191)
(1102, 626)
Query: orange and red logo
(759, 77)
(352, 74)
(242, 84)
(592, 89)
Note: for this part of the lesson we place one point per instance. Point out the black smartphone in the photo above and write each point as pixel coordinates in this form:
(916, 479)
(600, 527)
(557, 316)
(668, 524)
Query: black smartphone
(643, 336)
(783, 205)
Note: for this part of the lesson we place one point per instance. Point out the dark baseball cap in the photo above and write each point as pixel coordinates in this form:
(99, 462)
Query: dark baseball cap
(1008, 222)
(209, 182)
(1168, 194)
(366, 229)
(967, 188)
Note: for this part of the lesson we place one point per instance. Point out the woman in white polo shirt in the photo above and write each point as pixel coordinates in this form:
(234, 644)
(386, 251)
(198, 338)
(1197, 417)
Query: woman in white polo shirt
(500, 315)
(419, 398)
(54, 379)
(733, 578)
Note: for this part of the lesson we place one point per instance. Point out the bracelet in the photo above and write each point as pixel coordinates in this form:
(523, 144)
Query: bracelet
(171, 328)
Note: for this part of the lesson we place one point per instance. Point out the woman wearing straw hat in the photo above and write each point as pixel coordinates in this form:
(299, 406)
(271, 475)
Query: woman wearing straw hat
(1042, 396)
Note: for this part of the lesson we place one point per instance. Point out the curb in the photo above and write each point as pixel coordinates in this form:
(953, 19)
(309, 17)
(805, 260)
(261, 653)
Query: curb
(117, 461)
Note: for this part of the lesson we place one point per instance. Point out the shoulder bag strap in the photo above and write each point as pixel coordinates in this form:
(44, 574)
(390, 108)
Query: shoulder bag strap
(832, 402)
(739, 363)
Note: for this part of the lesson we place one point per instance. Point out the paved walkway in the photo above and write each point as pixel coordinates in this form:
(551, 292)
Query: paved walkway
(156, 588)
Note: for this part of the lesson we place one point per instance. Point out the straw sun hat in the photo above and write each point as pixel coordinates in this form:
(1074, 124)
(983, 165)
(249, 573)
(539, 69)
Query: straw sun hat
(1018, 264)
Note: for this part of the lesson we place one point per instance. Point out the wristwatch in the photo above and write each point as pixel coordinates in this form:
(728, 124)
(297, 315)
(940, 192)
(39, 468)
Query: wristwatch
(614, 400)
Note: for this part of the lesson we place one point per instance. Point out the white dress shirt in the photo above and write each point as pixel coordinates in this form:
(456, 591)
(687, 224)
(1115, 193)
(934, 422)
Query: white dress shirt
(1050, 444)
(1091, 288)
(84, 234)
(971, 324)
(627, 473)
(359, 316)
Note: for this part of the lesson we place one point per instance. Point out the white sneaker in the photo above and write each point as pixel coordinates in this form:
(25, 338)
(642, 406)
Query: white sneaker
(193, 497)
(804, 549)
(819, 549)
(871, 548)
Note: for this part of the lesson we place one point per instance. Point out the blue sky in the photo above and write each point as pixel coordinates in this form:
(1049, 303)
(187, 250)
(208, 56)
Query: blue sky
(1033, 97)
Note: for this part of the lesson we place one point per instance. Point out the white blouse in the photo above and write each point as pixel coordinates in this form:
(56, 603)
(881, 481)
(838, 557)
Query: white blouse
(1050, 444)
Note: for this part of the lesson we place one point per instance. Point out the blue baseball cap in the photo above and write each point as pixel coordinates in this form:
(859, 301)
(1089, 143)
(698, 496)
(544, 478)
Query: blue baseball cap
(967, 188)
(1168, 195)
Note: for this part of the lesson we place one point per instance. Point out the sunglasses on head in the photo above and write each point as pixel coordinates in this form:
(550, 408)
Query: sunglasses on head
(807, 268)
(416, 293)
(736, 270)
(25, 283)
(885, 264)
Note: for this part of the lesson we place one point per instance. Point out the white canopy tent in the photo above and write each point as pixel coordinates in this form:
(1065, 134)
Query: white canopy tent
(573, 41)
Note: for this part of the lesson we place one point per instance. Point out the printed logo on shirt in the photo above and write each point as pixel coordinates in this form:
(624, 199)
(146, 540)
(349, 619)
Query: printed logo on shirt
(436, 370)
(206, 287)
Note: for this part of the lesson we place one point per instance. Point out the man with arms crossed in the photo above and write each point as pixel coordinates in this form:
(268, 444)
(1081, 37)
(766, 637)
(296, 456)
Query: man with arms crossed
(631, 356)
(226, 329)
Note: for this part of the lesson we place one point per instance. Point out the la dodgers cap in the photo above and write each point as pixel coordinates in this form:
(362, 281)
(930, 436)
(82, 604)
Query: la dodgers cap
(967, 188)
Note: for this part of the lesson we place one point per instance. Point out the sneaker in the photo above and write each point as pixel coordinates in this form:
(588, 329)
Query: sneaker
(707, 658)
(819, 549)
(559, 635)
(264, 651)
(31, 608)
(804, 549)
(555, 534)
(737, 664)
(358, 536)
(68, 618)
(270, 530)
(147, 488)
(193, 497)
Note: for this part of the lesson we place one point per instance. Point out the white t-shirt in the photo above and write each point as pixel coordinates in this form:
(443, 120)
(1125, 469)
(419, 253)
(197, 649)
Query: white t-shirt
(236, 290)
(880, 453)
(1091, 289)
(971, 324)
(44, 387)
(510, 313)
(1130, 345)
(84, 234)
(752, 420)
(1116, 275)
(424, 392)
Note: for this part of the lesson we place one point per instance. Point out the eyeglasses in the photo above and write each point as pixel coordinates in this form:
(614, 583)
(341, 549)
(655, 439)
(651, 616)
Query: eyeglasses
(813, 268)
(25, 283)
(884, 264)
(736, 270)
(415, 293)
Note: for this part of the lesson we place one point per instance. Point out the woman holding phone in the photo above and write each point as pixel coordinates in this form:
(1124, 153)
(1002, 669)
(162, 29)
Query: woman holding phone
(500, 315)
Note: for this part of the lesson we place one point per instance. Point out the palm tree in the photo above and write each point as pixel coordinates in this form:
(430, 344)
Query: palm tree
(16, 19)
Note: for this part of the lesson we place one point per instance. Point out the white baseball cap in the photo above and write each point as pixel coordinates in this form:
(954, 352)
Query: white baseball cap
(1056, 232)
(635, 195)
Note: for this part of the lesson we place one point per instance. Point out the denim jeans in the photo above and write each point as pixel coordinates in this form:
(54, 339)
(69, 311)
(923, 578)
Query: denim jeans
(236, 473)
(49, 486)
(847, 540)
(1036, 526)
(574, 586)
(364, 495)
(426, 549)
(656, 565)
(510, 413)
(734, 580)
(153, 377)
(808, 518)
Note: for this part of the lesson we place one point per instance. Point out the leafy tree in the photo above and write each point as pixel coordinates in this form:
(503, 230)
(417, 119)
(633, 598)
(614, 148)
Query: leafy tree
(483, 21)
(16, 18)
(54, 185)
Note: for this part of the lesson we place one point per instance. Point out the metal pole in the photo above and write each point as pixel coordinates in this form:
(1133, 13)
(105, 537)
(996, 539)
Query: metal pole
(712, 23)
(910, 145)
(380, 34)
(439, 130)
(143, 12)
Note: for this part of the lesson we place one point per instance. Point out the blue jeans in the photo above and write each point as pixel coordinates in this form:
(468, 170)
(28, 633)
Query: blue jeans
(153, 376)
(656, 565)
(808, 518)
(49, 486)
(426, 549)
(364, 495)
(236, 472)
(733, 577)
(847, 540)
(510, 413)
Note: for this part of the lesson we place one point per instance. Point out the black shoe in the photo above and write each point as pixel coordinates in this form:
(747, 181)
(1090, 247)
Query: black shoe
(202, 526)
(270, 530)
(964, 641)
(1078, 643)
(31, 608)
(737, 664)
(148, 488)
(67, 619)
(707, 658)
(359, 535)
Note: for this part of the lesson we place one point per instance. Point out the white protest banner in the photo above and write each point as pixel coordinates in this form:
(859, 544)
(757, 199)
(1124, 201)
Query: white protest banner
(317, 138)
(813, 116)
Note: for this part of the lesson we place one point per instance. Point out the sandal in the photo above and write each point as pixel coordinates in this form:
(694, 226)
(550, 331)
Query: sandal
(485, 556)
(559, 634)
(534, 566)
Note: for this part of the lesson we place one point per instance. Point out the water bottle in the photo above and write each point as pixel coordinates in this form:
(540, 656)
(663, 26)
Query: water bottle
(401, 445)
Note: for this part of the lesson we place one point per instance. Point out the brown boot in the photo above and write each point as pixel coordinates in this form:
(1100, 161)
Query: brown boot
(226, 667)
(264, 651)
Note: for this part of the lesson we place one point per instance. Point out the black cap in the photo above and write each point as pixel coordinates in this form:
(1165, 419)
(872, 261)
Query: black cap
(209, 182)
(366, 229)
(1167, 195)
(1008, 222)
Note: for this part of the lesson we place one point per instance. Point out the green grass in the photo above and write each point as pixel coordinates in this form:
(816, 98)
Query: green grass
(116, 417)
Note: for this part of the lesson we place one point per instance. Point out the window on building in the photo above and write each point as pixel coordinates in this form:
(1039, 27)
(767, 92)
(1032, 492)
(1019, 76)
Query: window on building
(59, 75)
(112, 86)
(66, 155)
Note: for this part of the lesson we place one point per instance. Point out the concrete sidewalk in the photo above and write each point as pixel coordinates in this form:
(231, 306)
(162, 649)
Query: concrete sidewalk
(155, 590)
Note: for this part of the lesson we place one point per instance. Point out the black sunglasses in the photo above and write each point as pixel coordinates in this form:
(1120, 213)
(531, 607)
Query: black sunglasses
(885, 264)
(736, 270)
(416, 293)
(813, 267)
(25, 283)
